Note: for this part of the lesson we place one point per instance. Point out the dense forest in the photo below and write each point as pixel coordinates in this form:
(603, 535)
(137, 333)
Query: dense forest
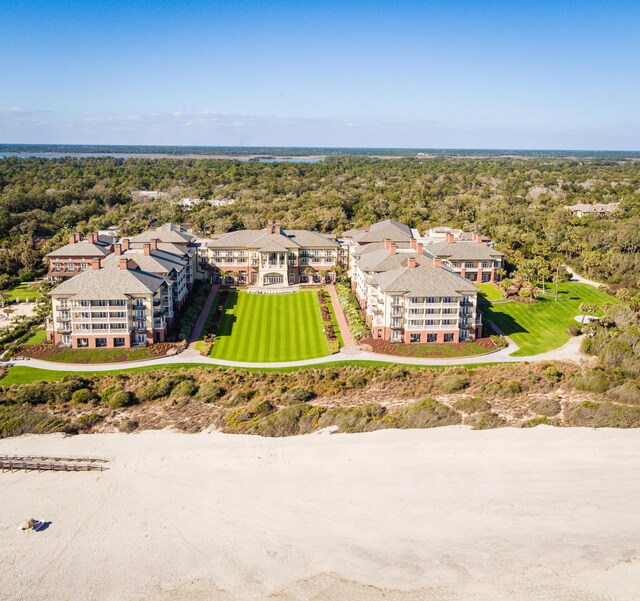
(517, 202)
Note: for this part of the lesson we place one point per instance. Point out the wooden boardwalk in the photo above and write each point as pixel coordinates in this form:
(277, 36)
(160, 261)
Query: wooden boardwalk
(33, 463)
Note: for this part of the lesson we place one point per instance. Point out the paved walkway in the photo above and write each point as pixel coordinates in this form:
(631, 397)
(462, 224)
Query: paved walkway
(348, 340)
(579, 278)
(202, 318)
(568, 352)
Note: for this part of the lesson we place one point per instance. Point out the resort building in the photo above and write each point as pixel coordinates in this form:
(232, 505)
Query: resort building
(474, 259)
(581, 209)
(275, 257)
(411, 298)
(108, 307)
(79, 254)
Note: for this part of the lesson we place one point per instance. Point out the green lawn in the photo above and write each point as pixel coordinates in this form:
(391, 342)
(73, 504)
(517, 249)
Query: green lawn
(270, 327)
(489, 292)
(543, 326)
(23, 292)
(39, 336)
(21, 374)
(103, 355)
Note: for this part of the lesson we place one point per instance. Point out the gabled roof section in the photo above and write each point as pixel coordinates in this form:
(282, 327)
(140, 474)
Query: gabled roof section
(462, 250)
(85, 248)
(169, 232)
(109, 283)
(387, 229)
(424, 280)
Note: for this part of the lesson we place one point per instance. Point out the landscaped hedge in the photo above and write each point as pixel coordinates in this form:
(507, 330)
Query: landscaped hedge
(351, 308)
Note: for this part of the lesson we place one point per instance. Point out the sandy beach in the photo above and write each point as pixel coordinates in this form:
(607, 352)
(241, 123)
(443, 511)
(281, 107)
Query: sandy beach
(443, 514)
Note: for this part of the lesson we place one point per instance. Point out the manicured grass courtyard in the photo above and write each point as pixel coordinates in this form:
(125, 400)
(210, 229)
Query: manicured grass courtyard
(22, 292)
(541, 327)
(39, 336)
(270, 327)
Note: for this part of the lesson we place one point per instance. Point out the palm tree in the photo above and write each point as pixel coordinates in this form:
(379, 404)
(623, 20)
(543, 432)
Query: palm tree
(530, 290)
(307, 271)
(586, 308)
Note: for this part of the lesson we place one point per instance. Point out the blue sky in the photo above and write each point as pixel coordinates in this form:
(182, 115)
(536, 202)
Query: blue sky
(466, 74)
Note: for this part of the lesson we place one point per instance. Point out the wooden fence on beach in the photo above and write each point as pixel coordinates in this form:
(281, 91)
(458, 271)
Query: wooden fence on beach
(33, 463)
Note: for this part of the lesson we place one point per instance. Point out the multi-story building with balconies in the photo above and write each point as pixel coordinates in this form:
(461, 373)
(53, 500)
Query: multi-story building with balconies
(78, 255)
(409, 297)
(276, 257)
(474, 259)
(110, 306)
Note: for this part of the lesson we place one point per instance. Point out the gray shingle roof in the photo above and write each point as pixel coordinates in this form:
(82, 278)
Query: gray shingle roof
(462, 250)
(393, 230)
(109, 283)
(157, 262)
(424, 280)
(261, 240)
(85, 248)
(169, 232)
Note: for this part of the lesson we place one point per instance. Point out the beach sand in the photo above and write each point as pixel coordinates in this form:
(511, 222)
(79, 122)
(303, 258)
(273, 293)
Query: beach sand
(442, 514)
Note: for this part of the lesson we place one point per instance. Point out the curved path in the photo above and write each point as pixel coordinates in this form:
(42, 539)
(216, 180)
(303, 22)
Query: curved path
(568, 352)
(579, 278)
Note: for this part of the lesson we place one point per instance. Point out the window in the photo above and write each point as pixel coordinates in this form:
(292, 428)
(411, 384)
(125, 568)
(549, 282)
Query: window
(118, 303)
(414, 323)
(447, 311)
(83, 342)
(431, 299)
(414, 338)
(70, 266)
(141, 325)
(85, 303)
(66, 340)
(432, 337)
(140, 339)
(396, 322)
(485, 265)
(416, 300)
(448, 337)
(395, 300)
(101, 342)
(469, 265)
(101, 303)
(118, 326)
(83, 266)
(447, 299)
(58, 266)
(118, 342)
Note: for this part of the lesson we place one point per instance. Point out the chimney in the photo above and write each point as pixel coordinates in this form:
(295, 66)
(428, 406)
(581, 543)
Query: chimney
(269, 228)
(420, 249)
(94, 237)
(125, 244)
(123, 263)
(387, 243)
(414, 244)
(448, 237)
(117, 249)
(394, 248)
(437, 263)
(73, 238)
(147, 248)
(477, 238)
(411, 262)
(276, 227)
(154, 244)
(95, 263)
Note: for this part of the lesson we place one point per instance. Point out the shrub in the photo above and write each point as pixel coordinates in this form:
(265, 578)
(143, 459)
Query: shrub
(63, 391)
(237, 418)
(351, 308)
(129, 425)
(551, 372)
(547, 407)
(627, 393)
(185, 389)
(356, 381)
(210, 391)
(115, 397)
(537, 421)
(242, 397)
(296, 419)
(593, 380)
(574, 330)
(514, 387)
(157, 390)
(86, 422)
(81, 396)
(453, 383)
(34, 394)
(15, 421)
(356, 419)
(602, 415)
(299, 394)
(426, 413)
(471, 405)
(484, 421)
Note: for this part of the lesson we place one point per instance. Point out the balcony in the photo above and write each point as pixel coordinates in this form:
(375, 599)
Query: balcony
(159, 323)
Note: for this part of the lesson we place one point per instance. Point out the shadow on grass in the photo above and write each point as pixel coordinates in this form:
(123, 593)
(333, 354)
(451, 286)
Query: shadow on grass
(506, 323)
